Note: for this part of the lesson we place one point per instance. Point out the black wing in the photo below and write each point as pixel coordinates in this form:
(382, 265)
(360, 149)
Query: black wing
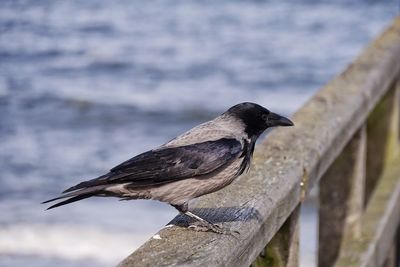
(170, 164)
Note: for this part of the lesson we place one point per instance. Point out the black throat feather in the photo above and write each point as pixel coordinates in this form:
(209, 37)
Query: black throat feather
(247, 154)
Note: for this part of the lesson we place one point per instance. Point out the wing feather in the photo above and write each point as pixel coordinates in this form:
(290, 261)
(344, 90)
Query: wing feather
(170, 164)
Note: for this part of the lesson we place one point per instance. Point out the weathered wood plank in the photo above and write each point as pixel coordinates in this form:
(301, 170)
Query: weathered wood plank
(341, 199)
(283, 249)
(258, 204)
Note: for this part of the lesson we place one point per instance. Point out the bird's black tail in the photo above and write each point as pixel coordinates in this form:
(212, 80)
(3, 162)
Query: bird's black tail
(76, 196)
(70, 200)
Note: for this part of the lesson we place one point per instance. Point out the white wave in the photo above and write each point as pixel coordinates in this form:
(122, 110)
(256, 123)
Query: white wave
(69, 242)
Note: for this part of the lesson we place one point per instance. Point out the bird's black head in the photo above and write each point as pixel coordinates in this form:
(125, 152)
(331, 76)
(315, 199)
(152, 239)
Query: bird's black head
(257, 118)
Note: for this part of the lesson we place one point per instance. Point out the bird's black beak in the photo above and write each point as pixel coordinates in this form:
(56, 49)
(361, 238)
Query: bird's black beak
(274, 119)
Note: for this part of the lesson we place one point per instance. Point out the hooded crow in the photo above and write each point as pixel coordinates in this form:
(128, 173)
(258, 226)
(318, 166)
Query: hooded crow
(198, 162)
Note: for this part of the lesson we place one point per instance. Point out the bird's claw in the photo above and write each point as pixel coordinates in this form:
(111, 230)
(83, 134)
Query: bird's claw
(215, 228)
(202, 227)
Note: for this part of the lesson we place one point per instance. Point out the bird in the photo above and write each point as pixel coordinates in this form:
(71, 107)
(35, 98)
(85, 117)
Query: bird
(200, 161)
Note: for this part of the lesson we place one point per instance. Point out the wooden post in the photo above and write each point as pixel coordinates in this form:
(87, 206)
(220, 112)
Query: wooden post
(392, 150)
(283, 249)
(378, 245)
(382, 129)
(341, 199)
(396, 131)
(391, 259)
(379, 224)
(393, 140)
(397, 245)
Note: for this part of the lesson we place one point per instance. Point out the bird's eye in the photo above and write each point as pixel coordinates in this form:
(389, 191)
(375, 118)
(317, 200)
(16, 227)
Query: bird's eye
(264, 117)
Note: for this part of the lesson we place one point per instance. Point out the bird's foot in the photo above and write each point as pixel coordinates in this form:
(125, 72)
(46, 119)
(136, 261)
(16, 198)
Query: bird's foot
(209, 227)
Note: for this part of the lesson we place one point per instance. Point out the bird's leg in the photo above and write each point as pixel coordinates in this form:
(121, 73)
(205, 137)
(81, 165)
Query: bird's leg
(204, 225)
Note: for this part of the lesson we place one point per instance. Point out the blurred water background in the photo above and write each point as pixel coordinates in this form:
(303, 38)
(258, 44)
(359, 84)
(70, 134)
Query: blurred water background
(85, 85)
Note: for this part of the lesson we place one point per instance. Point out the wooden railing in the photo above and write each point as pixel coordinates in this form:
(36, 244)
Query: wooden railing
(346, 138)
